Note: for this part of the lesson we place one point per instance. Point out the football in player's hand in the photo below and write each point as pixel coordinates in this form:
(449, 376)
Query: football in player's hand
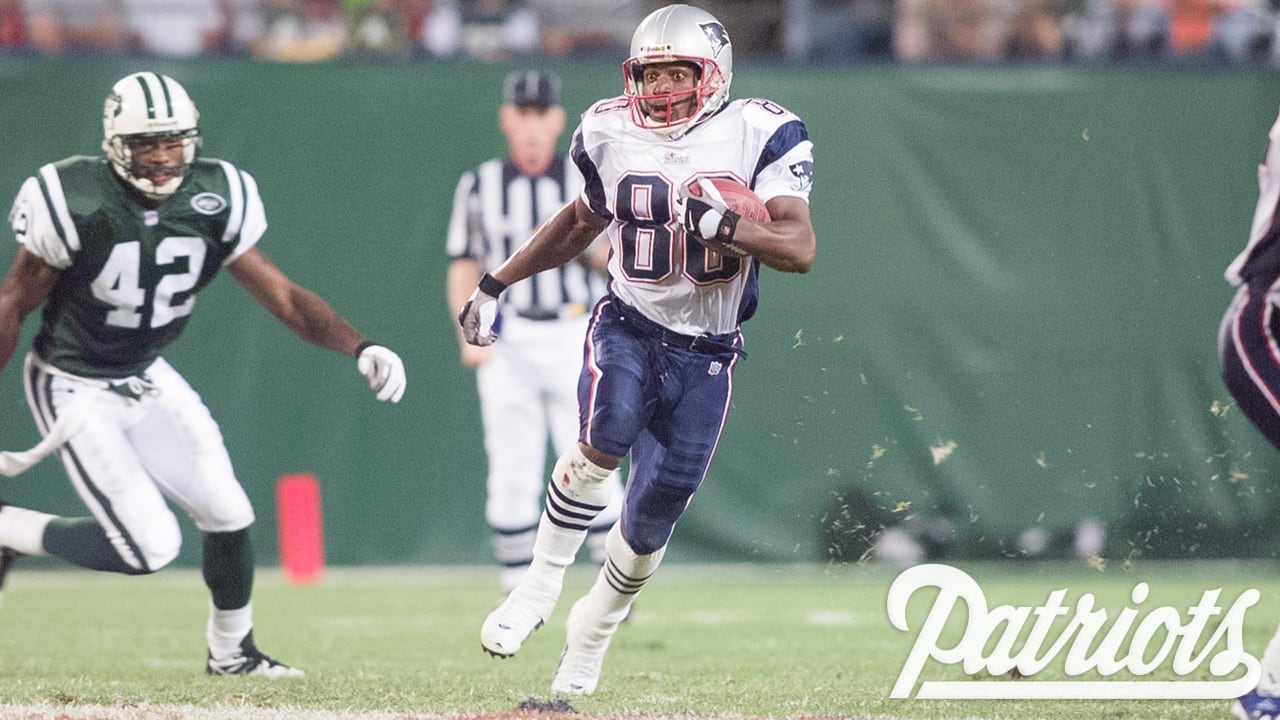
(742, 199)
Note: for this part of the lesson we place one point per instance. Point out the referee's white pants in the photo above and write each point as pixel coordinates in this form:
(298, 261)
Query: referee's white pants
(132, 454)
(529, 398)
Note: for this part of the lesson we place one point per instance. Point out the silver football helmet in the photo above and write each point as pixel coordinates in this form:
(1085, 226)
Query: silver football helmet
(679, 33)
(147, 107)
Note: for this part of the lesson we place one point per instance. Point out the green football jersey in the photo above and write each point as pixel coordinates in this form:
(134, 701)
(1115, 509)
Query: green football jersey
(129, 271)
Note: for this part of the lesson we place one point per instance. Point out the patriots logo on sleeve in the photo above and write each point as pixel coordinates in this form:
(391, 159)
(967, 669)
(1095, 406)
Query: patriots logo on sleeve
(803, 173)
(717, 36)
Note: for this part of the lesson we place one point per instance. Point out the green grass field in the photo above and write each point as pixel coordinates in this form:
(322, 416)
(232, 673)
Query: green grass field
(706, 641)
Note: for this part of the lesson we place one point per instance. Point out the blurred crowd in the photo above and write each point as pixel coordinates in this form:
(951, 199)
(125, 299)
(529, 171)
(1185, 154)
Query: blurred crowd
(837, 31)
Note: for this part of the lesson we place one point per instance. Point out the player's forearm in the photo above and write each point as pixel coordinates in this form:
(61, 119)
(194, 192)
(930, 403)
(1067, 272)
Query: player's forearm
(301, 310)
(562, 238)
(313, 320)
(11, 316)
(10, 327)
(536, 258)
(784, 245)
(24, 288)
(787, 243)
(9, 332)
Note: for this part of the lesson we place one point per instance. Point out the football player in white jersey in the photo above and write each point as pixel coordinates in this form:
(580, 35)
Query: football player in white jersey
(115, 248)
(662, 346)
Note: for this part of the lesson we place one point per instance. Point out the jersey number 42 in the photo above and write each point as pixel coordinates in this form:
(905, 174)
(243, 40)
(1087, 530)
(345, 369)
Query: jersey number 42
(121, 282)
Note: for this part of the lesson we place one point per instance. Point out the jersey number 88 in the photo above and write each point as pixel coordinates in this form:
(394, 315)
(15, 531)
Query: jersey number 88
(653, 242)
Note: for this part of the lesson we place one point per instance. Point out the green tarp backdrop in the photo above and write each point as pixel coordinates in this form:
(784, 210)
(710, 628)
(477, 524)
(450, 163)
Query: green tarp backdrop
(1011, 322)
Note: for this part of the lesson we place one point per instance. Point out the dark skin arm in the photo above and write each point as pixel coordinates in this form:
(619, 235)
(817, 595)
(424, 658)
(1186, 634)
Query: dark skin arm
(28, 283)
(560, 240)
(302, 311)
(787, 243)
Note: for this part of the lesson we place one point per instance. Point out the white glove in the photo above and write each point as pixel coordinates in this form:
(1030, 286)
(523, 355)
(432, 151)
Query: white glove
(707, 217)
(700, 214)
(384, 370)
(479, 317)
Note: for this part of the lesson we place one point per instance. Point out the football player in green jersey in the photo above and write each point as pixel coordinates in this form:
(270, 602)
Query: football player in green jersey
(115, 249)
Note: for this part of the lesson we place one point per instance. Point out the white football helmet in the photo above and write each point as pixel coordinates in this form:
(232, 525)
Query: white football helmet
(147, 106)
(679, 33)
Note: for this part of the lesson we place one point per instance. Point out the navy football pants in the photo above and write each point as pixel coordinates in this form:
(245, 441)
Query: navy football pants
(662, 397)
(1251, 358)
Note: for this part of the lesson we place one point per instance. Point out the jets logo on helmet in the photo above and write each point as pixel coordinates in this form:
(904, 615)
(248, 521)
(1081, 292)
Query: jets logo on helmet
(21, 219)
(144, 110)
(678, 33)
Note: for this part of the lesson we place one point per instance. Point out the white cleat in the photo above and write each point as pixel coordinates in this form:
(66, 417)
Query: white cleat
(577, 674)
(507, 627)
(250, 661)
(583, 656)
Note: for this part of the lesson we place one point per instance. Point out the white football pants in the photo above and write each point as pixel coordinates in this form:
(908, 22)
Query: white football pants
(133, 453)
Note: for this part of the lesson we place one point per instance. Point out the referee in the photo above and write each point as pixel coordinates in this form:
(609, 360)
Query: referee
(527, 380)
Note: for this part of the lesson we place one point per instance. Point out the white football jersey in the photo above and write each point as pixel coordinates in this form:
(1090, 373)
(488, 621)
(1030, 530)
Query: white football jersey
(632, 176)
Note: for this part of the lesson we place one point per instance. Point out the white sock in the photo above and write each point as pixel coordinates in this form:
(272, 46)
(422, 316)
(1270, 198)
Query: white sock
(553, 553)
(23, 529)
(227, 628)
(609, 600)
(576, 494)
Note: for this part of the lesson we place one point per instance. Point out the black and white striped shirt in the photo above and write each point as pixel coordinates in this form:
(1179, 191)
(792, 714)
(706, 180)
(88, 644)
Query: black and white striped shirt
(496, 209)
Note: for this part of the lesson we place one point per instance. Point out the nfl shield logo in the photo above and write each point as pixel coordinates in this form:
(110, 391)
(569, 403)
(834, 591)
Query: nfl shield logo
(151, 218)
(715, 368)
